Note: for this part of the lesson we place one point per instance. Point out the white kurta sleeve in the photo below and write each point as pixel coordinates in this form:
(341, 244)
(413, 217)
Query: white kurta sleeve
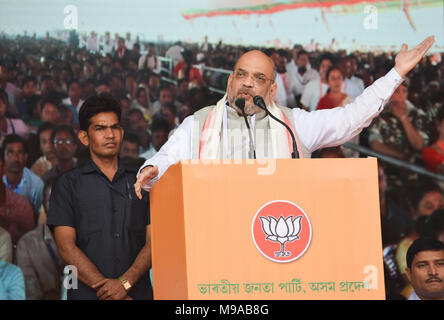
(178, 147)
(333, 127)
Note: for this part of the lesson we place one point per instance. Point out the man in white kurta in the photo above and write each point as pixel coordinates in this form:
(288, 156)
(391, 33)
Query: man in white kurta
(208, 134)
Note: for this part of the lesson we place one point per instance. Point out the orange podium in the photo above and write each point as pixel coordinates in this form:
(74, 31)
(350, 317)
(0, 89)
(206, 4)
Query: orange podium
(267, 229)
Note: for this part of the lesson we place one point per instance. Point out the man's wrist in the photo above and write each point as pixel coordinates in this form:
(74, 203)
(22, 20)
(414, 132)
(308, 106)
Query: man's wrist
(404, 118)
(125, 284)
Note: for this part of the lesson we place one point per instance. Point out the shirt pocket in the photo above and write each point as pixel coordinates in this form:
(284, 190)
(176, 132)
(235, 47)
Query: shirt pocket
(92, 216)
(137, 215)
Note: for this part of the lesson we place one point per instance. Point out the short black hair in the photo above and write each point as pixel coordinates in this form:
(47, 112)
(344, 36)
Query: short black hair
(131, 137)
(300, 53)
(171, 106)
(434, 224)
(29, 79)
(421, 188)
(63, 128)
(48, 101)
(327, 56)
(334, 67)
(134, 110)
(423, 244)
(97, 104)
(160, 124)
(440, 114)
(4, 97)
(164, 87)
(72, 81)
(13, 138)
(43, 127)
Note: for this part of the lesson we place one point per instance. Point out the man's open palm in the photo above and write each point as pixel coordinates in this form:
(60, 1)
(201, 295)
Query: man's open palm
(407, 60)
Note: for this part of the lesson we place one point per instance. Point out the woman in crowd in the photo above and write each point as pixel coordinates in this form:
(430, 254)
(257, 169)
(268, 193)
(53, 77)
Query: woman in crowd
(334, 97)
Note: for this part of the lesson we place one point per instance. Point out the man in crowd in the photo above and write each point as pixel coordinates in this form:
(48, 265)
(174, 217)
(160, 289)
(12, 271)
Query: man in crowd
(284, 96)
(425, 198)
(165, 96)
(300, 73)
(353, 86)
(399, 132)
(149, 60)
(48, 158)
(5, 245)
(425, 269)
(39, 260)
(100, 225)
(169, 113)
(16, 215)
(65, 146)
(122, 54)
(8, 125)
(153, 87)
(160, 128)
(130, 146)
(138, 125)
(317, 88)
(74, 93)
(29, 90)
(17, 177)
(203, 135)
(49, 112)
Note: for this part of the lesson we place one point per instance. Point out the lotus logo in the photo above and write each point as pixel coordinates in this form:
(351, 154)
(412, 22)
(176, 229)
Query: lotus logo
(281, 231)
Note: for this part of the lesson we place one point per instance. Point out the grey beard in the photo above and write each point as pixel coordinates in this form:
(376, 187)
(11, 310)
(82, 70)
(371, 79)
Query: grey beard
(251, 109)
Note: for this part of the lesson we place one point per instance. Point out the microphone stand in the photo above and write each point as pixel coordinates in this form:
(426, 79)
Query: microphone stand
(240, 103)
(252, 149)
(259, 101)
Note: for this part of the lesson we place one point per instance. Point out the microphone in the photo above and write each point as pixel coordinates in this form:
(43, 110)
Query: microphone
(240, 103)
(259, 101)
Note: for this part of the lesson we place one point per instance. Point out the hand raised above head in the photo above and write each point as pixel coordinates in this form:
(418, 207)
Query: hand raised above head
(407, 60)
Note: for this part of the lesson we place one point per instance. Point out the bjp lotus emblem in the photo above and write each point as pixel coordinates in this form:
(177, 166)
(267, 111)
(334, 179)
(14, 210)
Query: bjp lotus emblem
(281, 231)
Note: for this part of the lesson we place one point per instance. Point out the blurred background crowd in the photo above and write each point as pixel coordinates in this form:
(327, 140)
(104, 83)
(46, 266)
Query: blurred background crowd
(44, 81)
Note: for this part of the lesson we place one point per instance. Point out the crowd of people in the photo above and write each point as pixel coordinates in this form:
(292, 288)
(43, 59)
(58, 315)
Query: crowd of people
(44, 82)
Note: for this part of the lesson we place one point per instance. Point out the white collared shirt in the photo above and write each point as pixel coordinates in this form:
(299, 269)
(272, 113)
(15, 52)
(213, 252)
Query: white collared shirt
(414, 296)
(317, 129)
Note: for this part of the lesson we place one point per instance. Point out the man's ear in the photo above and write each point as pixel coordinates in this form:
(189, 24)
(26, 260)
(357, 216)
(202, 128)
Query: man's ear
(408, 274)
(229, 82)
(273, 90)
(83, 137)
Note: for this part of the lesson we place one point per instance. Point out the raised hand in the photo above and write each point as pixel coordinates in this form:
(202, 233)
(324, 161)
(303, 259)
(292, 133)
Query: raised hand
(407, 60)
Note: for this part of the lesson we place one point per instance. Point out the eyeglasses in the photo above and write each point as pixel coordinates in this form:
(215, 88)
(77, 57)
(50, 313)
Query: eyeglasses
(258, 78)
(63, 141)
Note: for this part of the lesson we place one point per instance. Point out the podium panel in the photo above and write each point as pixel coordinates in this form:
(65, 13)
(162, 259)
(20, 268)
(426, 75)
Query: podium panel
(300, 229)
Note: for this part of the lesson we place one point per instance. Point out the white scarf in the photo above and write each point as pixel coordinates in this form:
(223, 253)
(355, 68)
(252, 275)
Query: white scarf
(210, 138)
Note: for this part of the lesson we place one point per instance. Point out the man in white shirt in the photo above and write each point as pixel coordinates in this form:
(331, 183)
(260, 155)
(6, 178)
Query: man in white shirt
(353, 86)
(128, 42)
(149, 60)
(92, 43)
(107, 43)
(209, 132)
(175, 53)
(284, 96)
(74, 93)
(300, 73)
(317, 88)
(425, 269)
